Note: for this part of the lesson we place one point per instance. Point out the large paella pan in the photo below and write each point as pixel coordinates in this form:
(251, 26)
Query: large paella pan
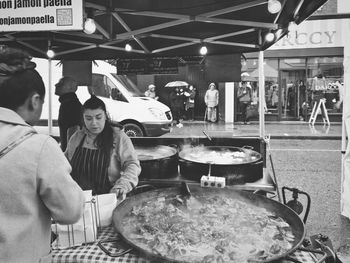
(213, 225)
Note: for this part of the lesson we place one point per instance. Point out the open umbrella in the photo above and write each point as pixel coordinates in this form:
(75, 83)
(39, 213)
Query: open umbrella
(177, 83)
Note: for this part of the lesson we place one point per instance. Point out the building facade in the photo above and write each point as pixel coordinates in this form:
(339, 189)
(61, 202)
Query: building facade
(305, 66)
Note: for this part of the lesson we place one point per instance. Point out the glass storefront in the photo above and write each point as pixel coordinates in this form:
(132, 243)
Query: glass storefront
(325, 80)
(293, 85)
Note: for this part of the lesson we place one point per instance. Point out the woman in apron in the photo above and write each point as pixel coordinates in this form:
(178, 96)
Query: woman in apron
(103, 157)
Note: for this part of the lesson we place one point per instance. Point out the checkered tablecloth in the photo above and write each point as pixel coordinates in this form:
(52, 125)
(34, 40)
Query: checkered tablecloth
(92, 253)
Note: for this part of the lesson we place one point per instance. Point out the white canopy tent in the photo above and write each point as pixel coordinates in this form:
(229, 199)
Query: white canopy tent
(345, 176)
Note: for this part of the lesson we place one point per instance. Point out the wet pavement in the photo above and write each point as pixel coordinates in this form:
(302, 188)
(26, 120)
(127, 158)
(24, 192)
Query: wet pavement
(277, 130)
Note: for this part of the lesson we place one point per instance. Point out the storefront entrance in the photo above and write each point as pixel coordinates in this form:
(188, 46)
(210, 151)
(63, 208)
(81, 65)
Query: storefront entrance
(292, 94)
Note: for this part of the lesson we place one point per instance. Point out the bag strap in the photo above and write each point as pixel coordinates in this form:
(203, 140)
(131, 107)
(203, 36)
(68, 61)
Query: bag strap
(15, 143)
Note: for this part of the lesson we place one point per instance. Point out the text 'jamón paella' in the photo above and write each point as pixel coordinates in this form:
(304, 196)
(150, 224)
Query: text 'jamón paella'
(215, 229)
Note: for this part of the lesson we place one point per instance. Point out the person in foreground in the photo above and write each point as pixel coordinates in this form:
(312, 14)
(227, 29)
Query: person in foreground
(69, 115)
(103, 157)
(35, 175)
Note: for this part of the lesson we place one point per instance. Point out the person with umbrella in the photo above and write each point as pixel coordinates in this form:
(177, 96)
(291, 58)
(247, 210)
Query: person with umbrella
(177, 100)
(189, 104)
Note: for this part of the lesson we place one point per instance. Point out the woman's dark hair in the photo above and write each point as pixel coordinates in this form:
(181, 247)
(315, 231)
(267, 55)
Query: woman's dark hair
(18, 79)
(104, 140)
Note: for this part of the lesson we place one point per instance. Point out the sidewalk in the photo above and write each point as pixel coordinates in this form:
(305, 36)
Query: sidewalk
(277, 130)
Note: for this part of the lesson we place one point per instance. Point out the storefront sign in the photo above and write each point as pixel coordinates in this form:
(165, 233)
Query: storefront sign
(313, 34)
(41, 15)
(147, 66)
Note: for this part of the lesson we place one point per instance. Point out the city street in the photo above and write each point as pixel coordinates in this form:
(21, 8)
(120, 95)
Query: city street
(314, 166)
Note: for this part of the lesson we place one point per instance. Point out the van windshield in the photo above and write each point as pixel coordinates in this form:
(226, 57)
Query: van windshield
(129, 85)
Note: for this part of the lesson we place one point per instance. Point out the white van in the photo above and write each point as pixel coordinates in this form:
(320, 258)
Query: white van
(140, 115)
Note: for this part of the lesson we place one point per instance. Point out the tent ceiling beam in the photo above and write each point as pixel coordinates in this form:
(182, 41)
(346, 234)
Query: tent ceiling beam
(236, 22)
(231, 34)
(172, 47)
(76, 50)
(9, 36)
(80, 34)
(234, 44)
(234, 8)
(283, 2)
(175, 37)
(296, 11)
(150, 28)
(121, 49)
(127, 28)
(102, 30)
(83, 43)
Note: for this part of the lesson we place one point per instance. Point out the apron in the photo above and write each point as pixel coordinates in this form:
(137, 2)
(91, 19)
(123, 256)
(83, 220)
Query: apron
(89, 169)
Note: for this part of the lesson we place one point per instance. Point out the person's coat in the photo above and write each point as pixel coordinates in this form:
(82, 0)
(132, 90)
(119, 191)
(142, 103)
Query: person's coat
(211, 98)
(124, 167)
(35, 186)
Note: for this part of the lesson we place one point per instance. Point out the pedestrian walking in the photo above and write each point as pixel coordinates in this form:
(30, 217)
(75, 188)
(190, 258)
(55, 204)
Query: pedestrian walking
(244, 95)
(190, 102)
(151, 92)
(177, 100)
(211, 100)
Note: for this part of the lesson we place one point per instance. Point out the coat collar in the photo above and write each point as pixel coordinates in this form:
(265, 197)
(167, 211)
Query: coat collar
(10, 116)
(67, 97)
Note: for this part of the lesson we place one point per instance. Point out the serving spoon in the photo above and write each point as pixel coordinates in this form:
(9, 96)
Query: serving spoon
(190, 201)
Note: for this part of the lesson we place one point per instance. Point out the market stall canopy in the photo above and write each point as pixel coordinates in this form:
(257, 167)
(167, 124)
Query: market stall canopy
(167, 28)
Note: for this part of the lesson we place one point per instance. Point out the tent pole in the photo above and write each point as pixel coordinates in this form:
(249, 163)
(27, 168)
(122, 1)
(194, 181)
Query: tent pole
(50, 99)
(261, 95)
(345, 147)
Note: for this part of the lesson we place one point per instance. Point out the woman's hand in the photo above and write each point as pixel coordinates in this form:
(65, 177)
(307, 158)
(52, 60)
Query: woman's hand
(120, 192)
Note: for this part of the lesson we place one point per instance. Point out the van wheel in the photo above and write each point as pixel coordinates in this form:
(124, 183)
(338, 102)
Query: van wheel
(133, 130)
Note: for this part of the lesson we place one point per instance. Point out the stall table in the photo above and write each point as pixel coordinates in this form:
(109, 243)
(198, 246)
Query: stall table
(92, 253)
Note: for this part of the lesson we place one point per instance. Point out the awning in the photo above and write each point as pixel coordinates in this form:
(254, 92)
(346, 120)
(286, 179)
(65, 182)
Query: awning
(167, 28)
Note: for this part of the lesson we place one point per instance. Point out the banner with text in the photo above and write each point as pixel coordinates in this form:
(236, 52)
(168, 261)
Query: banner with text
(315, 34)
(41, 15)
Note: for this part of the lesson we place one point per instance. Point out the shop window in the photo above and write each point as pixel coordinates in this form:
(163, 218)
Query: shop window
(250, 73)
(292, 87)
(325, 81)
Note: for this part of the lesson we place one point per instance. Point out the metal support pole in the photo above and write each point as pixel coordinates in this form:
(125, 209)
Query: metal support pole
(49, 95)
(261, 95)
